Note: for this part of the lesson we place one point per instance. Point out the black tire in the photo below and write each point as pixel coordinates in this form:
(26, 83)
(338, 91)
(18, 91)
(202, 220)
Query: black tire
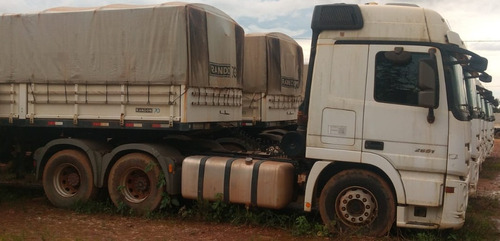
(68, 179)
(133, 181)
(357, 201)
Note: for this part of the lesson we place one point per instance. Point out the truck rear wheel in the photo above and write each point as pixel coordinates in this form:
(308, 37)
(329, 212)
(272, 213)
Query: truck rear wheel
(68, 179)
(133, 181)
(357, 201)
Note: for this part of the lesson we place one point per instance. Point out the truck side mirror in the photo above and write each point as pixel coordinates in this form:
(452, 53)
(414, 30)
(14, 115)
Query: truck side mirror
(486, 78)
(427, 79)
(478, 63)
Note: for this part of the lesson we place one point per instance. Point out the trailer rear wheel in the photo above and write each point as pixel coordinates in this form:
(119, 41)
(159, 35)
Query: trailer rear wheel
(357, 201)
(68, 179)
(133, 181)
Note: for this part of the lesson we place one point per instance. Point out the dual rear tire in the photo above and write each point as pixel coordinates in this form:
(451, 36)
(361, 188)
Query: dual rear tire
(68, 179)
(133, 181)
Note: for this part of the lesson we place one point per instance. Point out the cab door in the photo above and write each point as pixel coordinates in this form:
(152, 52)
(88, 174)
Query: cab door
(412, 138)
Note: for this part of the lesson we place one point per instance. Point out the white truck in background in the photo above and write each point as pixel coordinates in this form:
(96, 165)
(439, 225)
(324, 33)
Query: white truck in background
(480, 104)
(121, 97)
(488, 101)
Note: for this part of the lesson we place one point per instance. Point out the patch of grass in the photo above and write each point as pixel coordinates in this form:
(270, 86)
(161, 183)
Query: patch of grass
(9, 195)
(123, 209)
(14, 194)
(12, 237)
(47, 235)
(491, 168)
(95, 207)
(427, 235)
(9, 176)
(478, 223)
(304, 226)
(297, 222)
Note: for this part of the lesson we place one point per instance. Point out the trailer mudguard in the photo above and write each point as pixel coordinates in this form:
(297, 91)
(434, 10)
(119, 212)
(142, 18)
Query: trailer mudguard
(168, 158)
(93, 149)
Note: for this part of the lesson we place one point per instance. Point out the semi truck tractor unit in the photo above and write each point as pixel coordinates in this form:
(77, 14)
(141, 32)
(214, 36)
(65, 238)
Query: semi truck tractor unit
(386, 126)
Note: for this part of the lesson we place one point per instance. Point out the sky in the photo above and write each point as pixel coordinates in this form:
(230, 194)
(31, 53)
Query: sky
(477, 21)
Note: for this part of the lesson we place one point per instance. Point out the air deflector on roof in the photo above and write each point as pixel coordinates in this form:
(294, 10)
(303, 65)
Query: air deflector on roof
(337, 17)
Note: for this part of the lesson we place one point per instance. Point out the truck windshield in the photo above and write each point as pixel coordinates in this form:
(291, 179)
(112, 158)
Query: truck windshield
(457, 91)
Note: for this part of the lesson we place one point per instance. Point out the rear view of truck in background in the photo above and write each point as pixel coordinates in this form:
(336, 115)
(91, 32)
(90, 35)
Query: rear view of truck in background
(272, 79)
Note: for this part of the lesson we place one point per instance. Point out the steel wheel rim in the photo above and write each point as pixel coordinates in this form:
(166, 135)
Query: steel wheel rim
(67, 180)
(356, 206)
(136, 185)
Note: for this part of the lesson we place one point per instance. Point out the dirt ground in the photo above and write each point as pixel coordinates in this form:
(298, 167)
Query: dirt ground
(36, 219)
(491, 187)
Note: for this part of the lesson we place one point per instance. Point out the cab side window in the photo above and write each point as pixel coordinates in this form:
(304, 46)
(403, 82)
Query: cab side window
(396, 82)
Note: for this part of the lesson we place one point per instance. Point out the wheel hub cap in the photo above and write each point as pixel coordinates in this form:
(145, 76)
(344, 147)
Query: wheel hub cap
(137, 186)
(357, 206)
(73, 179)
(66, 180)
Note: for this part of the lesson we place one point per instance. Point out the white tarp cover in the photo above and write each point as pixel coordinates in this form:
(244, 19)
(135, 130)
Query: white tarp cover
(273, 64)
(170, 43)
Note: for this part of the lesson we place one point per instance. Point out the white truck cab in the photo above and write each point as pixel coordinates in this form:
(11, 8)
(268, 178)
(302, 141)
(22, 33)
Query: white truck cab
(387, 95)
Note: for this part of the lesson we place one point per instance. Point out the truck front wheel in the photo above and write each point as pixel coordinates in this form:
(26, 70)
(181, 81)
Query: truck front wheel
(133, 181)
(68, 179)
(357, 201)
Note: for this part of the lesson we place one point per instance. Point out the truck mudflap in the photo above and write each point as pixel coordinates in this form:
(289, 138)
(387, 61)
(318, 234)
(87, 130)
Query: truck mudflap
(262, 183)
(450, 215)
(456, 198)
